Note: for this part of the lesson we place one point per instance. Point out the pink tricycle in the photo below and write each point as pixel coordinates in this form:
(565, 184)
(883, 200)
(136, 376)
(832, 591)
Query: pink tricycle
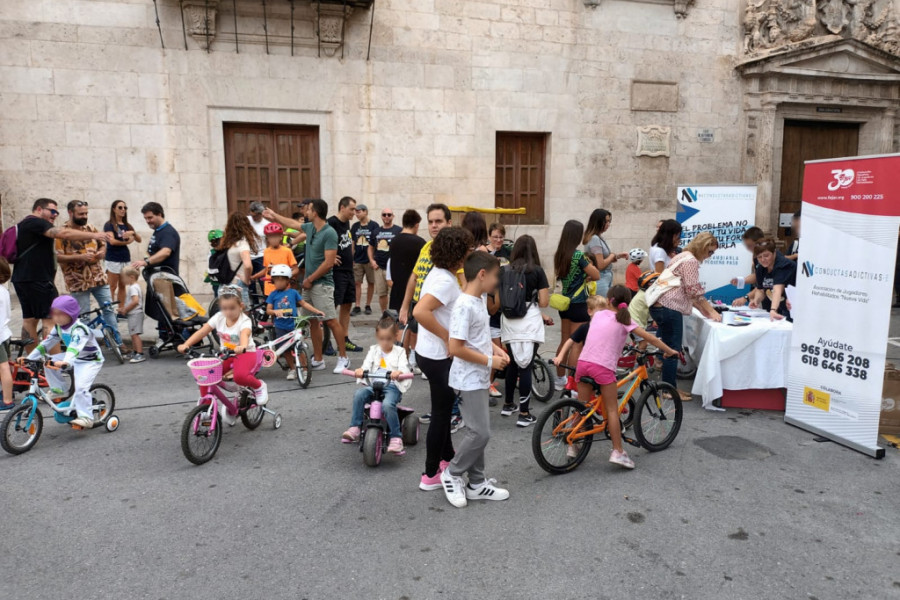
(201, 433)
(375, 434)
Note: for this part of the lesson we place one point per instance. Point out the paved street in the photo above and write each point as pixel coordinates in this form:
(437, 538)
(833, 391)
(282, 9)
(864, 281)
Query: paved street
(741, 506)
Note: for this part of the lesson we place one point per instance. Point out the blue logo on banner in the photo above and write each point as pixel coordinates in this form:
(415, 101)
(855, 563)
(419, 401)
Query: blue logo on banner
(808, 268)
(689, 195)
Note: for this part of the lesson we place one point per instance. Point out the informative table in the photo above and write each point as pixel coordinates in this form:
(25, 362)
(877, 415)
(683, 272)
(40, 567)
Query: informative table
(751, 356)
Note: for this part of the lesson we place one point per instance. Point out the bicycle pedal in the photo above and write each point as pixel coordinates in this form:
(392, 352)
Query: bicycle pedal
(634, 443)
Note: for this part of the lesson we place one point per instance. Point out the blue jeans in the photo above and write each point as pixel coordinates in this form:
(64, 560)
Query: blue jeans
(392, 397)
(102, 295)
(604, 283)
(670, 329)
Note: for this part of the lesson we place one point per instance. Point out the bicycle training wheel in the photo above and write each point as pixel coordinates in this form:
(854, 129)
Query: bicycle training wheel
(548, 442)
(657, 416)
(542, 384)
(110, 338)
(199, 440)
(103, 402)
(302, 365)
(20, 430)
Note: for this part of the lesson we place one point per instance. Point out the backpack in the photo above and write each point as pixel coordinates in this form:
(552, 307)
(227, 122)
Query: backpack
(219, 268)
(9, 245)
(513, 302)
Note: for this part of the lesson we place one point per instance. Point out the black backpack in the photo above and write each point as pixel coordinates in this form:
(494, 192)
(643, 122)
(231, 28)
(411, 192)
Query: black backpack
(513, 300)
(219, 268)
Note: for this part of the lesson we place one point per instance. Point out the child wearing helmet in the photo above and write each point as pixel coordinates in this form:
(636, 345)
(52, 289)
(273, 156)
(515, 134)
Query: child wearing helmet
(633, 270)
(276, 253)
(282, 304)
(82, 354)
(213, 237)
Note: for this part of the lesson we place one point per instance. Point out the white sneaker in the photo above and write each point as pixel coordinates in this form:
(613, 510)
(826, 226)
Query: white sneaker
(342, 363)
(486, 491)
(412, 359)
(315, 365)
(225, 417)
(261, 394)
(559, 383)
(424, 376)
(454, 488)
(292, 374)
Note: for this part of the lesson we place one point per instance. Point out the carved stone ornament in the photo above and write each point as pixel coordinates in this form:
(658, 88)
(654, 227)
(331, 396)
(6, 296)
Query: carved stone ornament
(198, 16)
(773, 24)
(654, 140)
(331, 19)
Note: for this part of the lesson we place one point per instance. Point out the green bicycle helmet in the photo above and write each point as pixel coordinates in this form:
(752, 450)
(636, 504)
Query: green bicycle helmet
(215, 234)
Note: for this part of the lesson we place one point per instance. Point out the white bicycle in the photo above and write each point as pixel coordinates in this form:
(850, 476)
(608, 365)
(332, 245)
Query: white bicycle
(296, 342)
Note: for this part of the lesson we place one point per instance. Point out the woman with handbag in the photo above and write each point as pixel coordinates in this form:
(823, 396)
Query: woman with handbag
(593, 241)
(675, 293)
(574, 271)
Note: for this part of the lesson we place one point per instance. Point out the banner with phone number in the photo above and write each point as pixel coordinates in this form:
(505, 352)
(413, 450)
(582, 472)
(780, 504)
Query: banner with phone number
(845, 275)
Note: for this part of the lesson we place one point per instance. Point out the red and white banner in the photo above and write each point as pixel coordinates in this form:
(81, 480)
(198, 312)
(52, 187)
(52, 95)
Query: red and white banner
(845, 275)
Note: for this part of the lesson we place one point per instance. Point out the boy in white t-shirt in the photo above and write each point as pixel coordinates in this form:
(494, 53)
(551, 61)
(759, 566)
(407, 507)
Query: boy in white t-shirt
(134, 311)
(474, 357)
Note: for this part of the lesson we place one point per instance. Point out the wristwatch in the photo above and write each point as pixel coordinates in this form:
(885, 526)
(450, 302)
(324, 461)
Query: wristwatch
(147, 260)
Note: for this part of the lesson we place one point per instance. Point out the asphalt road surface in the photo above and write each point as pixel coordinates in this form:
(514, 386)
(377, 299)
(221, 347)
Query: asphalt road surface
(741, 506)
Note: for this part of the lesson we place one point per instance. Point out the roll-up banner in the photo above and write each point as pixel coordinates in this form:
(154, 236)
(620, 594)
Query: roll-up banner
(726, 211)
(842, 309)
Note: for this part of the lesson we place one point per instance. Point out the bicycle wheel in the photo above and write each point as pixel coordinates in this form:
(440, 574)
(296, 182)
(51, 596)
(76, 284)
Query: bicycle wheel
(199, 440)
(373, 447)
(657, 416)
(213, 307)
(20, 430)
(103, 402)
(542, 384)
(252, 417)
(110, 339)
(302, 365)
(548, 442)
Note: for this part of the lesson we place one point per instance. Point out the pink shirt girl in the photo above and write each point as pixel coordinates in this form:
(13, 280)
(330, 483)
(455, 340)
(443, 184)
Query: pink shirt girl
(605, 340)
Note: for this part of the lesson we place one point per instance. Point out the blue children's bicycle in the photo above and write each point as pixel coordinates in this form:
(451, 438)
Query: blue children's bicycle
(24, 424)
(111, 336)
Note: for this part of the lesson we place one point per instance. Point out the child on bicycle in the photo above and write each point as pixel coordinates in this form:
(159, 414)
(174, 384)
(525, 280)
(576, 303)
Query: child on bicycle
(133, 310)
(82, 354)
(603, 346)
(276, 253)
(382, 358)
(6, 378)
(282, 304)
(234, 329)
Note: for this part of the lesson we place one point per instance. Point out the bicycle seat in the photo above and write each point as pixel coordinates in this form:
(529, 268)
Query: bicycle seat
(590, 381)
(21, 343)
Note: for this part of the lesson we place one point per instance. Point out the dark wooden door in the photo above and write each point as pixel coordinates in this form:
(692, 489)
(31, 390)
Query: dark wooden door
(275, 165)
(519, 177)
(810, 140)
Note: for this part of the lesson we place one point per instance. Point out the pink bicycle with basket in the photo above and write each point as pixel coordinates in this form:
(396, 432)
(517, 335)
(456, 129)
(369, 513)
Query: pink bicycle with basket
(201, 433)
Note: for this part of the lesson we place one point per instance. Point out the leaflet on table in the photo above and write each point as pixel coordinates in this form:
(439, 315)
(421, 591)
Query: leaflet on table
(851, 215)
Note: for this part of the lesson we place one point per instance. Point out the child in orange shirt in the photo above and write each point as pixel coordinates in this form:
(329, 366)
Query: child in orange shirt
(633, 270)
(276, 253)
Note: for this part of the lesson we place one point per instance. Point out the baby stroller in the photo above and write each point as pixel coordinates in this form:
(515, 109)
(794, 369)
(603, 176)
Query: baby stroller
(177, 313)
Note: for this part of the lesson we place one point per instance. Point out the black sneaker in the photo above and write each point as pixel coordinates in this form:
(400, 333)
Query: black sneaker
(508, 410)
(351, 347)
(525, 420)
(355, 311)
(329, 350)
(368, 310)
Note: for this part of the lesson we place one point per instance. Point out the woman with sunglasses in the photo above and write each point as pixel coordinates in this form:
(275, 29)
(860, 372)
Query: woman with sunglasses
(671, 308)
(117, 254)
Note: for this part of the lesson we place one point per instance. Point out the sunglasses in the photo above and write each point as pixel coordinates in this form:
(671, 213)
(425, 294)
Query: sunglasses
(79, 204)
(53, 211)
(387, 214)
(121, 207)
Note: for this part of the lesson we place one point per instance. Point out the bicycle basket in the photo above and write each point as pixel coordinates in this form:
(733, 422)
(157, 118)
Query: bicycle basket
(206, 371)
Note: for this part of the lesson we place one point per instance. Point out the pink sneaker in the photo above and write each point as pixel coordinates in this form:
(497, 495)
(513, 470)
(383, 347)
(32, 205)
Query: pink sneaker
(621, 459)
(396, 447)
(443, 466)
(429, 484)
(351, 436)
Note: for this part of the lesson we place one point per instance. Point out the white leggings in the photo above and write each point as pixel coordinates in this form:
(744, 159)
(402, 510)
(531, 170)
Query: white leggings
(84, 372)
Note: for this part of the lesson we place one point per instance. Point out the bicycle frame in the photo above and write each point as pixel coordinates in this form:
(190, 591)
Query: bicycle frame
(35, 391)
(228, 393)
(289, 340)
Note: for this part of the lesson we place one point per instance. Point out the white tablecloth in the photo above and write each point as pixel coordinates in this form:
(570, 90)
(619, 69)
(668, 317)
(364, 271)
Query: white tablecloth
(753, 357)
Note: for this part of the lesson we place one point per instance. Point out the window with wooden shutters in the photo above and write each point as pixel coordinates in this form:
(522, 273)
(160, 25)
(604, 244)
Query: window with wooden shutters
(519, 179)
(275, 165)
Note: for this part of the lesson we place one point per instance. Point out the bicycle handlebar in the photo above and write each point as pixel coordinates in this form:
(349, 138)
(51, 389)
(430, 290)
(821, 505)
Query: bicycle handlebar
(100, 309)
(367, 375)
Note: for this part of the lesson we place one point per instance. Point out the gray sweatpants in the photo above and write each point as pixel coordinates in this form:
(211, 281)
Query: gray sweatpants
(469, 458)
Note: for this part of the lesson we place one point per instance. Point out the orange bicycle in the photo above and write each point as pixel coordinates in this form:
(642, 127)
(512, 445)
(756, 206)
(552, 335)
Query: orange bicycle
(565, 431)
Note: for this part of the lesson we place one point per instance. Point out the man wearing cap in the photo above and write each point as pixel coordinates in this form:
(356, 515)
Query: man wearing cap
(360, 233)
(380, 252)
(259, 224)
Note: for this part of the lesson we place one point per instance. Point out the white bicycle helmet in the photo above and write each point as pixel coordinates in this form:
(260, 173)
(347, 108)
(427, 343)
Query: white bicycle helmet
(637, 255)
(280, 271)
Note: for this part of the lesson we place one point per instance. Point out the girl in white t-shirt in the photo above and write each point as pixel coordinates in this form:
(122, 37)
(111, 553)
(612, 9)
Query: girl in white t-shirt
(234, 329)
(440, 291)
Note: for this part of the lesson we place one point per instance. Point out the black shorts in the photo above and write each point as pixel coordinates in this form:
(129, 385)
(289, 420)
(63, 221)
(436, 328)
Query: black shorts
(35, 298)
(577, 313)
(344, 287)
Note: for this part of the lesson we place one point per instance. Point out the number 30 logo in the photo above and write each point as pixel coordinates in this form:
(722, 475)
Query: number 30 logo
(843, 178)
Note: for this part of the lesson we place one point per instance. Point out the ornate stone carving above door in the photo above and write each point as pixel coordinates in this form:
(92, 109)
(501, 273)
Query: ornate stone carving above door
(773, 25)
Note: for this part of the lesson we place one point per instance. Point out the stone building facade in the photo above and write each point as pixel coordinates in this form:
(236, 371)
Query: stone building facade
(563, 105)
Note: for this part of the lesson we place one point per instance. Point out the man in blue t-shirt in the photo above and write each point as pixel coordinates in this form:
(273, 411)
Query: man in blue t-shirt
(379, 250)
(162, 251)
(360, 233)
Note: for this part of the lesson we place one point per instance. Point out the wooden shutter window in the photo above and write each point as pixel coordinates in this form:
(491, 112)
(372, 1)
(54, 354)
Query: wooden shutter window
(520, 172)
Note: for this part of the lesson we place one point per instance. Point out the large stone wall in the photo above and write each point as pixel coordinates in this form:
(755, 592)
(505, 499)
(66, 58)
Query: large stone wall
(93, 108)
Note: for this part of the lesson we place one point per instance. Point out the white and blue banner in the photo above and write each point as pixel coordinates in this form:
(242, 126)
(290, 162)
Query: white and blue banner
(726, 211)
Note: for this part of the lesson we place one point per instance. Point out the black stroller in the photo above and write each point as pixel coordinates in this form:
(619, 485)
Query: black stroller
(177, 313)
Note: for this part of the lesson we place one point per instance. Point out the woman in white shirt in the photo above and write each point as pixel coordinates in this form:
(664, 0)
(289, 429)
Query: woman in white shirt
(241, 243)
(440, 291)
(664, 244)
(598, 224)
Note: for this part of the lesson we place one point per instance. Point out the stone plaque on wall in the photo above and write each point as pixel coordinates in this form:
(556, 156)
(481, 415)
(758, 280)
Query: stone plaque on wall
(659, 96)
(653, 140)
